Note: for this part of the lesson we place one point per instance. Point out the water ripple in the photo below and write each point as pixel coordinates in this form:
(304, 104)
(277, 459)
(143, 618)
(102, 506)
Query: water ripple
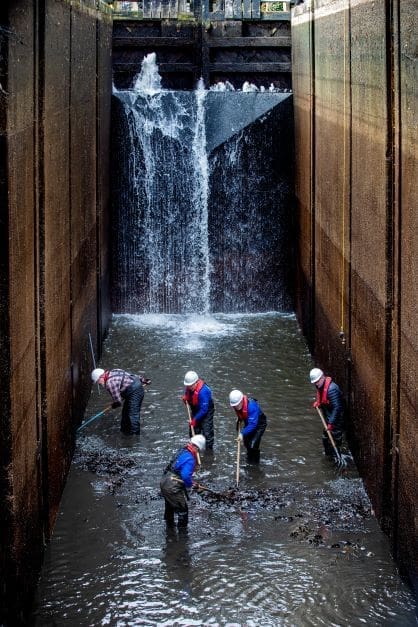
(302, 559)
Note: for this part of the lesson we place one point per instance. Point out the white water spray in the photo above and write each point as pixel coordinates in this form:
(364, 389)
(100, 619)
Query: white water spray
(197, 217)
(169, 175)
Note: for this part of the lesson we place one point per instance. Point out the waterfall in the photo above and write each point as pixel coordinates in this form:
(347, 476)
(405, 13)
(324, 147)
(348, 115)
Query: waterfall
(189, 230)
(161, 239)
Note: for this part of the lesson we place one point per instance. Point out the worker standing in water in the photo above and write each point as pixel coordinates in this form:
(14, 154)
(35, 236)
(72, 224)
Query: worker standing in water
(330, 401)
(177, 481)
(250, 414)
(198, 397)
(125, 389)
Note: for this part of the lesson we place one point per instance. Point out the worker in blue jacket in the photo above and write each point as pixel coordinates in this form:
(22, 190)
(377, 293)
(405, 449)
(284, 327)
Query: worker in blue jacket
(329, 398)
(177, 481)
(198, 396)
(249, 413)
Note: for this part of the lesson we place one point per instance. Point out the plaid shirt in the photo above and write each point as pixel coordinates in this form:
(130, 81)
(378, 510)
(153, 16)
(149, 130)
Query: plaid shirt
(117, 381)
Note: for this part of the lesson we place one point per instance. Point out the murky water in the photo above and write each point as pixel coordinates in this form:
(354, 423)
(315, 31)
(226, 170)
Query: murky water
(295, 545)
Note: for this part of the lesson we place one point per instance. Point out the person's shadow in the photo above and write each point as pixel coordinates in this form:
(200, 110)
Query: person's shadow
(177, 558)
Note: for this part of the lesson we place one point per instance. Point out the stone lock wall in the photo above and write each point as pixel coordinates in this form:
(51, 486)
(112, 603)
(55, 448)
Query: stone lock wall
(55, 74)
(355, 96)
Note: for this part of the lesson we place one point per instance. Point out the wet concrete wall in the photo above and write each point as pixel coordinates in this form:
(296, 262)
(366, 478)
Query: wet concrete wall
(355, 95)
(55, 114)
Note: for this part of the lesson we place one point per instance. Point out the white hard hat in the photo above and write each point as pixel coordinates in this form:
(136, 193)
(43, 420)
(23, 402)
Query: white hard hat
(96, 374)
(235, 397)
(190, 377)
(199, 441)
(315, 374)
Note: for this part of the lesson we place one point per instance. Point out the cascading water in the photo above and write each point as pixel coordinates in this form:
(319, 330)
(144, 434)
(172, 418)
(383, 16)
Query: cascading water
(200, 202)
(161, 234)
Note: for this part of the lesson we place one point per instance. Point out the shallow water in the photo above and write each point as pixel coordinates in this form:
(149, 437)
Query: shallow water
(295, 544)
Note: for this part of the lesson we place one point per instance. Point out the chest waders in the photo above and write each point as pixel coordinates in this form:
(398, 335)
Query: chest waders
(132, 396)
(175, 495)
(253, 439)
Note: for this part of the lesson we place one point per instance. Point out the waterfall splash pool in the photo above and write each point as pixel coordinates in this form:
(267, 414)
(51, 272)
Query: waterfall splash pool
(297, 544)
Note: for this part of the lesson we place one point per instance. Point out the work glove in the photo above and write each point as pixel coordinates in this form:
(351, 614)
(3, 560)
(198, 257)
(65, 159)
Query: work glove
(116, 404)
(184, 399)
(193, 423)
(240, 437)
(316, 404)
(329, 427)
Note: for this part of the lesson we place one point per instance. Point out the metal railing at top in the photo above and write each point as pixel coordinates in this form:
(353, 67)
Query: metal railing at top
(203, 9)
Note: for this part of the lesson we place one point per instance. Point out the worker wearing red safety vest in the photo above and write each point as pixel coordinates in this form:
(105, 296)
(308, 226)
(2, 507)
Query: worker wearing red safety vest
(177, 481)
(250, 415)
(198, 395)
(330, 399)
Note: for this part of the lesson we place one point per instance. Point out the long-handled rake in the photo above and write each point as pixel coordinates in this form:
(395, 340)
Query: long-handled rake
(199, 486)
(192, 429)
(341, 461)
(203, 488)
(101, 413)
(238, 451)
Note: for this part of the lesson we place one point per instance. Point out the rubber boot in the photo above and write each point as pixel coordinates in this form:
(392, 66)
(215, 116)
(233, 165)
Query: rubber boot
(256, 456)
(169, 515)
(253, 456)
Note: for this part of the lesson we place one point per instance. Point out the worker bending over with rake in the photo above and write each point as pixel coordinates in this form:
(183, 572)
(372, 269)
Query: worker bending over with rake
(250, 414)
(125, 389)
(177, 481)
(329, 403)
(198, 400)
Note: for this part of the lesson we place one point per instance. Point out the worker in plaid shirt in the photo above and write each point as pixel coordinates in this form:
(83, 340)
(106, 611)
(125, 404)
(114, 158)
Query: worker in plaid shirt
(127, 390)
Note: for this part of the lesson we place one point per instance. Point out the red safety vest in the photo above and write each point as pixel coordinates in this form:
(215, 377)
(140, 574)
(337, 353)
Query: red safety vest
(322, 394)
(192, 397)
(192, 449)
(243, 412)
